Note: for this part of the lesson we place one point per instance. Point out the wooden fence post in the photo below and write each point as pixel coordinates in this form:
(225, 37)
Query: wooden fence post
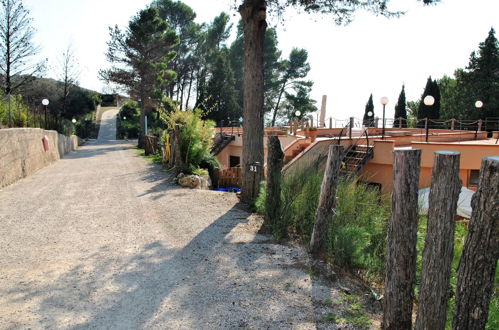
(439, 243)
(401, 245)
(477, 266)
(330, 122)
(327, 200)
(273, 197)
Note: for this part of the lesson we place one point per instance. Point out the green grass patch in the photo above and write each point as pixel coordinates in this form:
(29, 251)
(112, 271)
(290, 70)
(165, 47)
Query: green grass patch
(156, 159)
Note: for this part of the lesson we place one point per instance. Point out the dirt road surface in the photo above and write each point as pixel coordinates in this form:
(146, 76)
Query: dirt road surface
(103, 239)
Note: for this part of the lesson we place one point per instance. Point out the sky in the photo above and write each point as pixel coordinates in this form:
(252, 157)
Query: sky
(371, 55)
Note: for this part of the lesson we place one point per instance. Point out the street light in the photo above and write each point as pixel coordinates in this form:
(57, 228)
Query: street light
(428, 101)
(478, 104)
(45, 102)
(384, 101)
(297, 113)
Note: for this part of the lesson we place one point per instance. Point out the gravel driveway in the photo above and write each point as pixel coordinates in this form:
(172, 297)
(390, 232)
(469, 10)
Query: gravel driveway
(103, 239)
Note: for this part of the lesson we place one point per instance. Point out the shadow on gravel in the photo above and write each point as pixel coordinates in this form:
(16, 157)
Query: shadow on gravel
(192, 287)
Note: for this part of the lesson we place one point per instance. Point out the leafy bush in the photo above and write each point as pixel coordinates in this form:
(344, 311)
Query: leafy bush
(196, 138)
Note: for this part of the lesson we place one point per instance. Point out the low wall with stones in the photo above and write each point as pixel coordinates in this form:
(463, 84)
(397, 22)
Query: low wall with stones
(22, 151)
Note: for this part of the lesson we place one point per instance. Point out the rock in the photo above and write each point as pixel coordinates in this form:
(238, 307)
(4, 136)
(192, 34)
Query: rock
(195, 181)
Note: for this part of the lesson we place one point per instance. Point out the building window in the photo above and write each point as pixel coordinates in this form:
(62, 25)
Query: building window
(234, 161)
(474, 175)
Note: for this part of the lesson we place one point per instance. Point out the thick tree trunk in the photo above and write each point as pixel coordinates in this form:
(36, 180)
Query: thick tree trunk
(439, 243)
(327, 199)
(401, 241)
(253, 14)
(273, 198)
(477, 266)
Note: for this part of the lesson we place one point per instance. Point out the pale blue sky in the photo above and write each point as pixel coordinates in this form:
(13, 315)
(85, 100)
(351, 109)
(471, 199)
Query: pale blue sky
(371, 55)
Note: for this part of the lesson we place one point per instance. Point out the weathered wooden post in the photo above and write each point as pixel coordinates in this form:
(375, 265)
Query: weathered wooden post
(401, 246)
(275, 162)
(330, 122)
(477, 266)
(439, 243)
(452, 124)
(327, 200)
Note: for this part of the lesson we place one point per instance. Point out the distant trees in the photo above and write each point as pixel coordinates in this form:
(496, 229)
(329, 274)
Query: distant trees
(16, 49)
(368, 119)
(16, 46)
(140, 57)
(400, 110)
(478, 81)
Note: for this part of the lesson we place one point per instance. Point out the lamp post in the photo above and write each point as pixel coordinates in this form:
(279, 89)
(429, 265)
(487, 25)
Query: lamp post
(45, 102)
(384, 101)
(428, 101)
(478, 106)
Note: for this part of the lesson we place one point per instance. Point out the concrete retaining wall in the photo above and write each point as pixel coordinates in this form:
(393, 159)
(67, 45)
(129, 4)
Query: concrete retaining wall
(22, 152)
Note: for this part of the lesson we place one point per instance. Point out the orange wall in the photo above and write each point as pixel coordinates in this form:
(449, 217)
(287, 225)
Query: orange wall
(379, 169)
(471, 154)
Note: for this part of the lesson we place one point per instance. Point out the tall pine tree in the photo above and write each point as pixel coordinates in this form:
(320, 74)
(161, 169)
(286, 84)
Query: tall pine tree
(368, 120)
(482, 76)
(400, 110)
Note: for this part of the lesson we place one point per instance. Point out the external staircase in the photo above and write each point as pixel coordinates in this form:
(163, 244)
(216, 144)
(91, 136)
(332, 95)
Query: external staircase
(220, 142)
(356, 157)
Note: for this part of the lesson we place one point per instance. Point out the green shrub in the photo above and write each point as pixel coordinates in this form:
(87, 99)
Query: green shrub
(196, 138)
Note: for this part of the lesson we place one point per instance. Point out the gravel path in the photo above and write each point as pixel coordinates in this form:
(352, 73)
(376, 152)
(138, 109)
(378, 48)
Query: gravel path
(103, 239)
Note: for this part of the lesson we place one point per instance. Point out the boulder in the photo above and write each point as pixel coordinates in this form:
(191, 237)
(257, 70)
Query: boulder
(195, 181)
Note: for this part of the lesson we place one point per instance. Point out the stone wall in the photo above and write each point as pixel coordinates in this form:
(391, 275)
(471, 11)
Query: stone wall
(22, 152)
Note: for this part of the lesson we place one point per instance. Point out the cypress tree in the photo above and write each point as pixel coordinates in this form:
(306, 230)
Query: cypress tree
(429, 111)
(400, 109)
(368, 120)
(424, 110)
(434, 112)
